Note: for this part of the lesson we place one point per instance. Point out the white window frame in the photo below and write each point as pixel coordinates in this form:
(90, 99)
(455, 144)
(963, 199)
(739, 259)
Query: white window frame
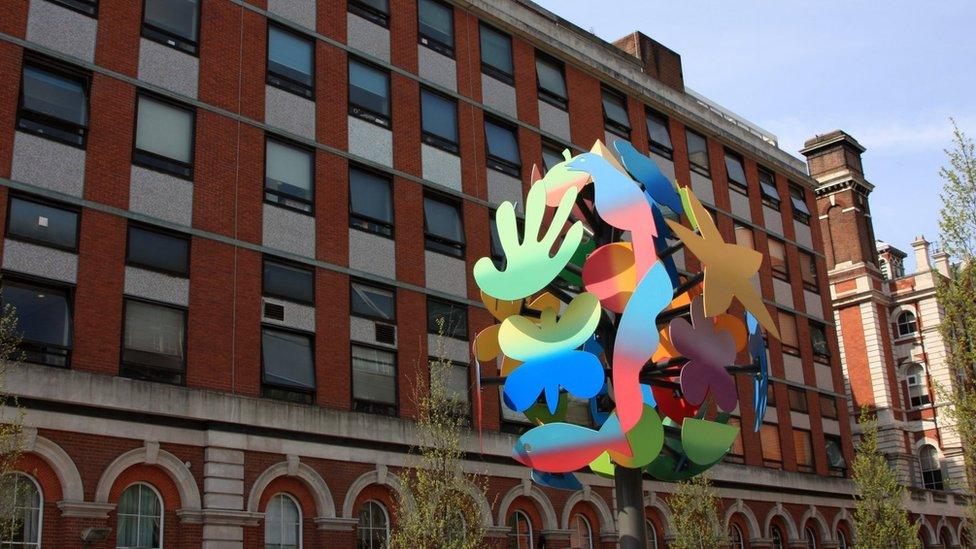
(736, 531)
(578, 519)
(40, 510)
(386, 520)
(913, 324)
(298, 507)
(162, 516)
(514, 535)
(651, 533)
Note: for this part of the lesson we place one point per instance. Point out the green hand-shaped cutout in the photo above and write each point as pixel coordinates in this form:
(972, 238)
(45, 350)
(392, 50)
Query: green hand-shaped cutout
(529, 267)
(706, 442)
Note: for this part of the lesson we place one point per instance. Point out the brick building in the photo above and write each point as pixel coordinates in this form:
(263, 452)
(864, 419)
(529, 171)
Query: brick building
(892, 353)
(224, 221)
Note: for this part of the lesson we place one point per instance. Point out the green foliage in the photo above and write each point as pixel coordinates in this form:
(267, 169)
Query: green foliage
(694, 511)
(439, 511)
(880, 519)
(958, 216)
(10, 421)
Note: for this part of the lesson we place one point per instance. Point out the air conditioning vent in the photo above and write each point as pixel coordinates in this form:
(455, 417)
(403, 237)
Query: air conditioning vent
(274, 311)
(386, 333)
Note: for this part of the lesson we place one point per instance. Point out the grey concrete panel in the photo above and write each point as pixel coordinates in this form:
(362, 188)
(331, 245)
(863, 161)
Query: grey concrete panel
(363, 330)
(370, 141)
(441, 167)
(289, 231)
(554, 120)
(40, 261)
(609, 138)
(499, 95)
(437, 67)
(48, 164)
(800, 420)
(740, 204)
(502, 187)
(56, 27)
(803, 236)
(367, 37)
(289, 112)
(456, 350)
(157, 286)
(160, 195)
(702, 186)
(825, 376)
(831, 426)
(446, 274)
(168, 68)
(666, 166)
(298, 11)
(783, 293)
(297, 315)
(814, 305)
(372, 253)
(772, 220)
(793, 367)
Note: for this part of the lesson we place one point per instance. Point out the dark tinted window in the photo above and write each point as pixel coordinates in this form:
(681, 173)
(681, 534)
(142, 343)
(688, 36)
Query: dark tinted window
(287, 281)
(798, 198)
(172, 22)
(798, 399)
(835, 456)
(87, 7)
(369, 92)
(373, 302)
(439, 118)
(443, 227)
(377, 11)
(552, 81)
(496, 53)
(767, 185)
(43, 321)
(698, 153)
(370, 202)
(43, 223)
(454, 317)
(436, 25)
(503, 150)
(164, 136)
(373, 380)
(615, 113)
(497, 253)
(154, 342)
(659, 133)
(54, 104)
(158, 250)
(828, 406)
(734, 170)
(291, 61)
(551, 155)
(818, 339)
(288, 180)
(287, 361)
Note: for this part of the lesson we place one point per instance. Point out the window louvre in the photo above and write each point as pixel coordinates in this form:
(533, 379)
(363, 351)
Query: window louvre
(787, 332)
(803, 443)
(743, 236)
(42, 223)
(54, 103)
(769, 437)
(154, 343)
(164, 136)
(370, 202)
(436, 29)
(496, 54)
(615, 117)
(767, 186)
(174, 23)
(501, 141)
(290, 282)
(443, 228)
(439, 120)
(828, 407)
(698, 153)
(659, 133)
(291, 61)
(777, 259)
(798, 198)
(372, 302)
(735, 173)
(374, 379)
(808, 270)
(369, 93)
(288, 366)
(551, 79)
(798, 399)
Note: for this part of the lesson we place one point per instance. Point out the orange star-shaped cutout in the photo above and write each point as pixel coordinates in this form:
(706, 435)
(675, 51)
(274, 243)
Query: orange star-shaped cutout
(728, 267)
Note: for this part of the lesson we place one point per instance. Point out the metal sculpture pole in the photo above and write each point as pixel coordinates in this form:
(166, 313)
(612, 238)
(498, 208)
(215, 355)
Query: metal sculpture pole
(629, 487)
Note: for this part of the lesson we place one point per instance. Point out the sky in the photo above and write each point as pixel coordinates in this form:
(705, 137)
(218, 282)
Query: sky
(885, 71)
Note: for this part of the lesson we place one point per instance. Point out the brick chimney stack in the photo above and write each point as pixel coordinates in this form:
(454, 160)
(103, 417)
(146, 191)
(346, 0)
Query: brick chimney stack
(921, 247)
(660, 62)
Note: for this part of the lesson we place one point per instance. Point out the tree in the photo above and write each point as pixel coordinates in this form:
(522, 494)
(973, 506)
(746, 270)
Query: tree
(694, 511)
(10, 423)
(440, 509)
(880, 519)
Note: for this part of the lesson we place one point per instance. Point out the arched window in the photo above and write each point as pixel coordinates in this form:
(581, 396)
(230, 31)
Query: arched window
(581, 536)
(810, 538)
(841, 540)
(928, 458)
(945, 538)
(651, 534)
(140, 514)
(906, 324)
(736, 535)
(20, 500)
(777, 537)
(918, 390)
(521, 535)
(283, 523)
(373, 531)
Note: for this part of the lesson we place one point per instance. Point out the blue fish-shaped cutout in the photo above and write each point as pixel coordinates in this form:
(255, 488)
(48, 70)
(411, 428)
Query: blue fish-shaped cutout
(559, 481)
(760, 383)
(579, 372)
(644, 170)
(564, 447)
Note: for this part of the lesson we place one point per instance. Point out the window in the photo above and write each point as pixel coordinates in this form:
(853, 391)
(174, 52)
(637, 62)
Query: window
(735, 172)
(439, 120)
(743, 236)
(767, 187)
(370, 202)
(841, 540)
(551, 156)
(172, 22)
(288, 369)
(615, 118)
(520, 535)
(369, 93)
(373, 529)
(738, 542)
(282, 523)
(808, 270)
(835, 456)
(289, 176)
(20, 500)
(770, 395)
(86, 7)
(777, 538)
(154, 346)
(787, 332)
(659, 134)
(828, 407)
(800, 211)
(140, 514)
(456, 383)
(581, 536)
(497, 253)
(918, 390)
(443, 229)
(374, 380)
(164, 136)
(501, 141)
(436, 22)
(777, 259)
(53, 102)
(552, 80)
(810, 538)
(372, 302)
(288, 281)
(803, 444)
(496, 54)
(928, 457)
(818, 340)
(43, 320)
(377, 11)
(698, 153)
(906, 324)
(769, 437)
(291, 61)
(38, 222)
(651, 534)
(157, 250)
(798, 399)
(736, 451)
(452, 318)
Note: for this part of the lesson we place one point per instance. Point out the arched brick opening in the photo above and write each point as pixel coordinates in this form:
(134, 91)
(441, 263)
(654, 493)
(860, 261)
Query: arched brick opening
(168, 492)
(660, 527)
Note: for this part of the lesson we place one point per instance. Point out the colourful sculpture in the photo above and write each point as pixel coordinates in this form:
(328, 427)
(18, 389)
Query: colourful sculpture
(592, 305)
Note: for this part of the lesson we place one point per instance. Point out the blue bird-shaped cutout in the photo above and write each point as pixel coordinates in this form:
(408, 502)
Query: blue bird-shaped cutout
(644, 170)
(760, 382)
(559, 481)
(578, 372)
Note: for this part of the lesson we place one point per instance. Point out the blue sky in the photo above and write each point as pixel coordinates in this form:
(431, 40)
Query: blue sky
(886, 71)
